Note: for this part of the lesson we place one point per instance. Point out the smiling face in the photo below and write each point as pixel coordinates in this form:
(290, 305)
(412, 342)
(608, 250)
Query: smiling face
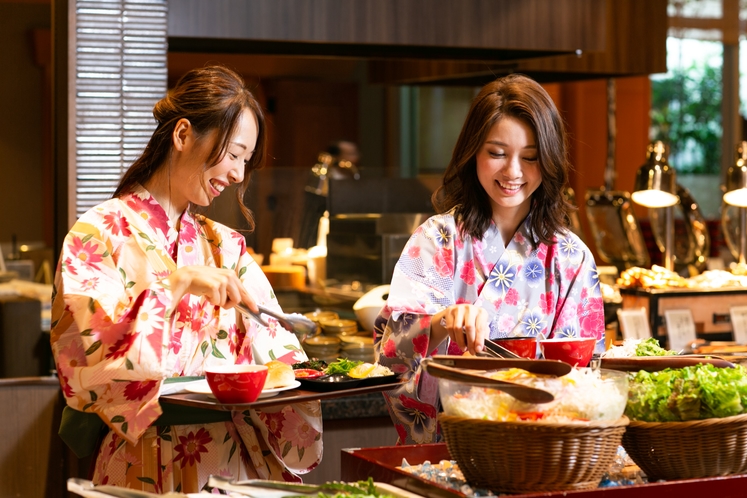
(193, 182)
(508, 169)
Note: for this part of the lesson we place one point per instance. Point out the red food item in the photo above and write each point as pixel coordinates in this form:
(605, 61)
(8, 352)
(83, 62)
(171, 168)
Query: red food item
(307, 373)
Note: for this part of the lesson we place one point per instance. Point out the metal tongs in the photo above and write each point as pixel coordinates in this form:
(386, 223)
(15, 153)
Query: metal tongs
(298, 324)
(495, 350)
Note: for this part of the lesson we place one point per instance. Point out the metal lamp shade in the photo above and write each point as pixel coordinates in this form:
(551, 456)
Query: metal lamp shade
(736, 179)
(655, 183)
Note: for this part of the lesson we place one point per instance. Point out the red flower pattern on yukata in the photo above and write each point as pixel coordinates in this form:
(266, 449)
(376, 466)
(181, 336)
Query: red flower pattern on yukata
(274, 422)
(443, 262)
(120, 348)
(136, 391)
(191, 446)
(420, 344)
(547, 303)
(591, 316)
(85, 253)
(389, 349)
(512, 297)
(468, 272)
(150, 211)
(117, 224)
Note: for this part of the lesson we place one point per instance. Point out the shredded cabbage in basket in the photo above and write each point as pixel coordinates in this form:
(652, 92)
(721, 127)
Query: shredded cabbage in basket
(582, 395)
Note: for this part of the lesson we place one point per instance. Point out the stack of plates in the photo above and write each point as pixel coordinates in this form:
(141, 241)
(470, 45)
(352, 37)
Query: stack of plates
(318, 316)
(322, 347)
(356, 347)
(339, 327)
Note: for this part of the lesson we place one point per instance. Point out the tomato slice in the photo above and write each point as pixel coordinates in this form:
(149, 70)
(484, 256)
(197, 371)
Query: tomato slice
(307, 373)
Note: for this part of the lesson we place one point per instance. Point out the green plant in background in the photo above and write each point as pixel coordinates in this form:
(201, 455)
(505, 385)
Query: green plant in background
(686, 114)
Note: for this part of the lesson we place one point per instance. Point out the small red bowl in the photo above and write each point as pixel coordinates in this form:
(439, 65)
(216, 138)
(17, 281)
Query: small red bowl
(236, 384)
(576, 351)
(526, 347)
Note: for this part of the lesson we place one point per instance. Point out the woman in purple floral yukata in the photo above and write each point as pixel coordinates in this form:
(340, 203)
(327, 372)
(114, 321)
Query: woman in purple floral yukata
(498, 260)
(145, 293)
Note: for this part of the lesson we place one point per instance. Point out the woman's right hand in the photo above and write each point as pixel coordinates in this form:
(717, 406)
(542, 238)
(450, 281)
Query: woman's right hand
(220, 286)
(464, 324)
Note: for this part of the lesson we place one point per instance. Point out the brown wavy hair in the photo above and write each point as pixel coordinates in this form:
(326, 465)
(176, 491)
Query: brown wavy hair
(211, 98)
(519, 97)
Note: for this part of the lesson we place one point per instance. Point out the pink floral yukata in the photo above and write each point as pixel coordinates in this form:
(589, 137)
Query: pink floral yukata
(526, 290)
(115, 338)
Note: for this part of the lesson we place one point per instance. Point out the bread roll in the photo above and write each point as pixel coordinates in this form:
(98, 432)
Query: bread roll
(279, 374)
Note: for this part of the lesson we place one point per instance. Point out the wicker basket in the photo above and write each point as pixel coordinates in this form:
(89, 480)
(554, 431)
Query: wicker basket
(683, 450)
(516, 457)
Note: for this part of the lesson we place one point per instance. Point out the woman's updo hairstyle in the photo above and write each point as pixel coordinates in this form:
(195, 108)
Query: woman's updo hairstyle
(212, 99)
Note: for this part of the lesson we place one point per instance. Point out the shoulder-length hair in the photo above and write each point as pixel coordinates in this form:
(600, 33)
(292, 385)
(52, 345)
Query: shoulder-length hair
(212, 99)
(518, 97)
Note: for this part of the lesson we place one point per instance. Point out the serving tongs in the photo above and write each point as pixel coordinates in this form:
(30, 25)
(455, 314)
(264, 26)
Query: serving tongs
(521, 392)
(495, 350)
(541, 367)
(298, 324)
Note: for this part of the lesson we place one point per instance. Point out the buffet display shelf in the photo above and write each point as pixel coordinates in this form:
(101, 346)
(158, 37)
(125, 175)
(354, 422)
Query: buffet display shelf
(381, 464)
(710, 307)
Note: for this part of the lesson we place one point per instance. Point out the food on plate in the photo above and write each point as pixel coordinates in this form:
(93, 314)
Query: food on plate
(279, 374)
(638, 347)
(307, 373)
(341, 366)
(582, 395)
(690, 393)
(312, 363)
(361, 489)
(368, 370)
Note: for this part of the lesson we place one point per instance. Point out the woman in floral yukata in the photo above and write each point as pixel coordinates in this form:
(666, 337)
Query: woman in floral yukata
(145, 291)
(497, 261)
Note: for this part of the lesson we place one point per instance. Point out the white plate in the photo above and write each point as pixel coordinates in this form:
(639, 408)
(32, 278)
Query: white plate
(202, 387)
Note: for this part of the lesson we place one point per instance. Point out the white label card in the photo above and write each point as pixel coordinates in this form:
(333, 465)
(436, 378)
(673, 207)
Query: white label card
(739, 323)
(680, 328)
(634, 323)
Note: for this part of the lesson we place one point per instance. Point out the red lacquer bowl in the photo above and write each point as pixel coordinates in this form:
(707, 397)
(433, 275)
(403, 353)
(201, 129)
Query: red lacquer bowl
(236, 384)
(526, 347)
(576, 351)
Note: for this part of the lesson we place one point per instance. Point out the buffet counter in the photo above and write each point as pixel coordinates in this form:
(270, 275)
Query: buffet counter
(709, 307)
(381, 464)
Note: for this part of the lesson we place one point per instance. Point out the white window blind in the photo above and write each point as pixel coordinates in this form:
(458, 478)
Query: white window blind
(120, 73)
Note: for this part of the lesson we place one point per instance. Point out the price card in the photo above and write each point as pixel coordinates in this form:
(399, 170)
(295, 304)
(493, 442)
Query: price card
(739, 323)
(680, 328)
(634, 323)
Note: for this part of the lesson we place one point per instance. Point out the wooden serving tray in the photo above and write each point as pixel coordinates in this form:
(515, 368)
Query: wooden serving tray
(284, 398)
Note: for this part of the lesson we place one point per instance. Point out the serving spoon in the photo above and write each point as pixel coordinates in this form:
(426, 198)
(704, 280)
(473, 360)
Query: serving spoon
(298, 324)
(521, 392)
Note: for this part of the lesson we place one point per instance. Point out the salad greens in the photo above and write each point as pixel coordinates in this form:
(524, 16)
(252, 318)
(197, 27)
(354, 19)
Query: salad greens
(362, 489)
(341, 366)
(691, 393)
(650, 347)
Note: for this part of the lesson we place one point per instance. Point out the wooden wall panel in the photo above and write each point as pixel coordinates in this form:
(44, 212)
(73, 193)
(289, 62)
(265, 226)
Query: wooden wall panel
(548, 25)
(635, 31)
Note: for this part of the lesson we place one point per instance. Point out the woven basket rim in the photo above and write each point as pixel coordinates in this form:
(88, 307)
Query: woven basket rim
(590, 424)
(702, 423)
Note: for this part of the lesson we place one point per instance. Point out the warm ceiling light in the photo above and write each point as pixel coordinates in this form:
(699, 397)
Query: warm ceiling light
(655, 185)
(736, 179)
